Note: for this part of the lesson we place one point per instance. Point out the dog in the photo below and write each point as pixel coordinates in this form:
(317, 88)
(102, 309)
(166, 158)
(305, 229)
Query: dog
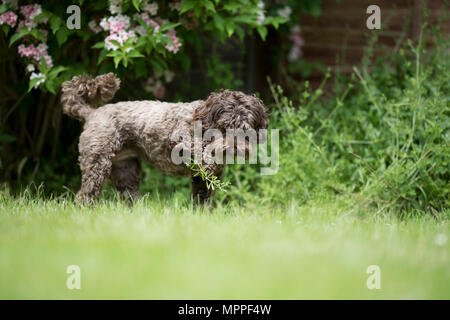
(116, 137)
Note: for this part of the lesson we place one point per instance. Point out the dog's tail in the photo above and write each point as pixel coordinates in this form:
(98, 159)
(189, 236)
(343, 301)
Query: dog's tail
(83, 93)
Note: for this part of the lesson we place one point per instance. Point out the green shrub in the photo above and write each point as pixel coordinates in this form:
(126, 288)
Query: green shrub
(383, 139)
(390, 135)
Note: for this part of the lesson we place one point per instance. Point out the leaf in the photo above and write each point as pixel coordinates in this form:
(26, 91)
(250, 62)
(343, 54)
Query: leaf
(141, 42)
(50, 86)
(135, 54)
(102, 56)
(136, 4)
(98, 45)
(209, 5)
(142, 23)
(55, 71)
(129, 42)
(233, 7)
(17, 36)
(117, 60)
(5, 29)
(230, 28)
(116, 43)
(245, 18)
(262, 32)
(275, 21)
(61, 36)
(114, 53)
(240, 32)
(169, 26)
(55, 23)
(3, 8)
(187, 5)
(218, 22)
(156, 66)
(40, 16)
(37, 34)
(33, 83)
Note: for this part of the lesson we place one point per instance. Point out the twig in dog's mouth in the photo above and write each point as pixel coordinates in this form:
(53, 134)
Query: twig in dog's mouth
(212, 182)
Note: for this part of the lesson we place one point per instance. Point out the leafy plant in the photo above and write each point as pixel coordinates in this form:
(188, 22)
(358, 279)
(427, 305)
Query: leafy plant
(382, 140)
(212, 182)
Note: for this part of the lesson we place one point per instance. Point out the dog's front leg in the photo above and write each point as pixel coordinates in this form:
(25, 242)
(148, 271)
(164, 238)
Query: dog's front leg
(200, 192)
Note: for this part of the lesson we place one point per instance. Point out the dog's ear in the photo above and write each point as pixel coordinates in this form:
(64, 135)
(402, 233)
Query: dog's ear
(261, 118)
(209, 111)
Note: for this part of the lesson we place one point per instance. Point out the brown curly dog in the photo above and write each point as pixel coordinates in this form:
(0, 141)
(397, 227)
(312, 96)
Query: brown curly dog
(117, 136)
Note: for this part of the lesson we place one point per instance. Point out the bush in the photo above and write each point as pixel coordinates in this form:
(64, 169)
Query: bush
(383, 138)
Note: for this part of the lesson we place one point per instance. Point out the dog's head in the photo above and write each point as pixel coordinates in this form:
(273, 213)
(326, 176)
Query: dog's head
(234, 111)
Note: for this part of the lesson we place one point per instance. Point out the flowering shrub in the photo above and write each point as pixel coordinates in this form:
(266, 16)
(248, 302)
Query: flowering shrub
(138, 34)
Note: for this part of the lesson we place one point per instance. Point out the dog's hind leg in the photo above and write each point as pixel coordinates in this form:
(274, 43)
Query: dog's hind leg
(96, 154)
(126, 176)
(94, 170)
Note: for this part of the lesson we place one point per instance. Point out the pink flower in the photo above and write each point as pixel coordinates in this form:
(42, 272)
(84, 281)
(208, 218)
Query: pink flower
(115, 24)
(151, 8)
(9, 18)
(176, 44)
(144, 16)
(120, 37)
(42, 49)
(154, 24)
(48, 61)
(155, 86)
(296, 39)
(160, 91)
(297, 43)
(36, 53)
(111, 46)
(30, 11)
(150, 22)
(28, 52)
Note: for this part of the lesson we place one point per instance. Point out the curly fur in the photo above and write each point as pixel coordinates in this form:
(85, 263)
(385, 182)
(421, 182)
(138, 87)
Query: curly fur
(116, 137)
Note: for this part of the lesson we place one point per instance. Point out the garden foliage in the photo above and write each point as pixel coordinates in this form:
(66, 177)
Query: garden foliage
(382, 139)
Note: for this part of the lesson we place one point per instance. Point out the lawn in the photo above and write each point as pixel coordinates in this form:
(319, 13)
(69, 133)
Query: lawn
(161, 249)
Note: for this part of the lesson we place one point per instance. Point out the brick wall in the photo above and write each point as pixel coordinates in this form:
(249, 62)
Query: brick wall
(338, 36)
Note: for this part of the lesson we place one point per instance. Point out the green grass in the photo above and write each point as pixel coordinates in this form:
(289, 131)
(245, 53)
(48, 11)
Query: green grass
(161, 249)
